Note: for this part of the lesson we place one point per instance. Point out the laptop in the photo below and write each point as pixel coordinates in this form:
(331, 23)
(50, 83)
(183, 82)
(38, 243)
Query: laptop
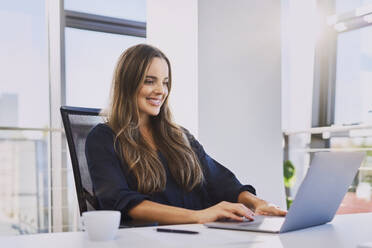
(317, 200)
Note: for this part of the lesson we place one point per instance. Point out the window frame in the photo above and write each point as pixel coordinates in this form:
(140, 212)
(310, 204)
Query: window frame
(85, 21)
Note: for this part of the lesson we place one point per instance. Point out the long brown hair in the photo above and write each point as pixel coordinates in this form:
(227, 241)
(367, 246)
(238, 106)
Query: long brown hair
(123, 119)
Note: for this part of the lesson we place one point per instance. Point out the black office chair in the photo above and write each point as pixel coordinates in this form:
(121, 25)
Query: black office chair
(78, 122)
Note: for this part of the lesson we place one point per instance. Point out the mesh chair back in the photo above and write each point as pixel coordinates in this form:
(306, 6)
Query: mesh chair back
(77, 123)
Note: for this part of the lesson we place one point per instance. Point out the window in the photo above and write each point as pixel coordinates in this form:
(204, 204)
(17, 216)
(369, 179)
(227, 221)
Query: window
(37, 191)
(353, 96)
(24, 104)
(348, 99)
(89, 68)
(354, 77)
(342, 93)
(24, 63)
(94, 38)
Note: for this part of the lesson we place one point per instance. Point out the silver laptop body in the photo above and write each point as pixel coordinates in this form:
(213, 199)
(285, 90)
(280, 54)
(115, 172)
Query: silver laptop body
(317, 200)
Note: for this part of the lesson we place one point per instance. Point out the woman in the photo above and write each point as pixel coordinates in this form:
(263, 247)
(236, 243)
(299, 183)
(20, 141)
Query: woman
(150, 169)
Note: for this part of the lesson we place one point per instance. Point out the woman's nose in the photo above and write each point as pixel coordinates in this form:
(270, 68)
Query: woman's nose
(160, 88)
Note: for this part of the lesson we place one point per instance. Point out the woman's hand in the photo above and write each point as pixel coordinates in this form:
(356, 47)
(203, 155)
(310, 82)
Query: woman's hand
(260, 206)
(269, 209)
(222, 210)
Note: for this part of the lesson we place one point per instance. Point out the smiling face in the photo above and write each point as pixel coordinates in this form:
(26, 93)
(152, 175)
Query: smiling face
(154, 90)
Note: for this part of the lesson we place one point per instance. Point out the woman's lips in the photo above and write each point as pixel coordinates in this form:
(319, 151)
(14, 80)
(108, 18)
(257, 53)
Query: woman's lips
(154, 101)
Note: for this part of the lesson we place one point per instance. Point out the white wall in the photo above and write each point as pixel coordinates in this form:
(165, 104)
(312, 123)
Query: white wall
(226, 67)
(240, 90)
(172, 26)
(297, 81)
(298, 54)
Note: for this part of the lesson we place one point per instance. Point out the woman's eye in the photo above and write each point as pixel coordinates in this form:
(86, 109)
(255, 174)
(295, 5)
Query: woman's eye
(149, 81)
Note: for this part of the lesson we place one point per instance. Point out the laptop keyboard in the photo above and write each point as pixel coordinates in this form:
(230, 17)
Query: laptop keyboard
(256, 222)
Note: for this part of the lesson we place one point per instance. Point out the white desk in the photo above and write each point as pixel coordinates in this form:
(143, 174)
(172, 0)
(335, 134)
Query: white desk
(344, 231)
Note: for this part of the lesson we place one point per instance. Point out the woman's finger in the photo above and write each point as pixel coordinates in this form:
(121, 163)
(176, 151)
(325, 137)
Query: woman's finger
(275, 210)
(271, 211)
(232, 216)
(241, 210)
(280, 212)
(260, 212)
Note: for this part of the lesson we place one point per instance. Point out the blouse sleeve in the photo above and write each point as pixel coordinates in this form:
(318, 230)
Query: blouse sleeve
(109, 181)
(220, 182)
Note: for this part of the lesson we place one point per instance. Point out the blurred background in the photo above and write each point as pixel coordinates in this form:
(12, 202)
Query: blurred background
(262, 84)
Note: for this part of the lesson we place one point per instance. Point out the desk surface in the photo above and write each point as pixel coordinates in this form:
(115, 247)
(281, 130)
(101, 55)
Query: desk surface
(344, 231)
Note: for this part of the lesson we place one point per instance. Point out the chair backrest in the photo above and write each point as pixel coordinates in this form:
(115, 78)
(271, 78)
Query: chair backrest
(77, 123)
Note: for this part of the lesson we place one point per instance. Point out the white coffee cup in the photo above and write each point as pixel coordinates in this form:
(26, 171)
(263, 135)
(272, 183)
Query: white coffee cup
(101, 225)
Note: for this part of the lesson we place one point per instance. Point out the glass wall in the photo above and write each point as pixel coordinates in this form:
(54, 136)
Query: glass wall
(351, 110)
(24, 103)
(24, 63)
(24, 182)
(353, 97)
(343, 94)
(37, 194)
(353, 77)
(90, 61)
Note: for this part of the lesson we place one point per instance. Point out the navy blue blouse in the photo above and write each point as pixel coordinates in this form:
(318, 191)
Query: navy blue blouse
(116, 187)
